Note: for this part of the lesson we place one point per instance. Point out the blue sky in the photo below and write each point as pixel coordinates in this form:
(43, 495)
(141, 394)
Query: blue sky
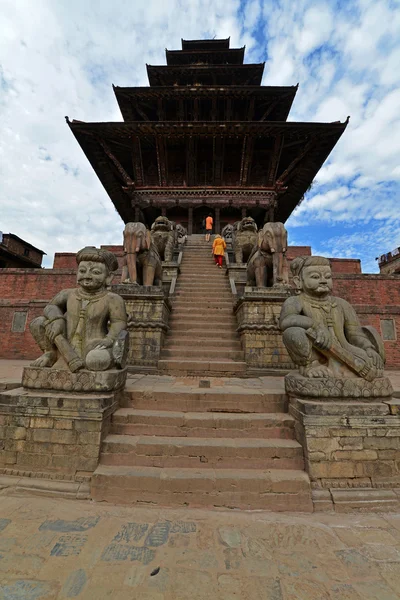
(60, 58)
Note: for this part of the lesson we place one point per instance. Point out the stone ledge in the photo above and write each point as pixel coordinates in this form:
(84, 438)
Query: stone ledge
(365, 500)
(45, 487)
(36, 378)
(325, 388)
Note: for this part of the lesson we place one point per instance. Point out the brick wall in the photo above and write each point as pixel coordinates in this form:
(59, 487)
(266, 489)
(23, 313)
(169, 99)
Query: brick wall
(375, 297)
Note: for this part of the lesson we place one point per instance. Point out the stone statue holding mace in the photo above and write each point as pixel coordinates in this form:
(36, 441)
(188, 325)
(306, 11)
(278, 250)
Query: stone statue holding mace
(84, 328)
(322, 333)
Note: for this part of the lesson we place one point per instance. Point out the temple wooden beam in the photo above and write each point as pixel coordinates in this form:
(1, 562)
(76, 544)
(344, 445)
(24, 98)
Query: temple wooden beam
(137, 161)
(275, 158)
(270, 108)
(286, 174)
(191, 162)
(160, 109)
(125, 177)
(250, 112)
(247, 155)
(218, 159)
(181, 110)
(161, 161)
(140, 111)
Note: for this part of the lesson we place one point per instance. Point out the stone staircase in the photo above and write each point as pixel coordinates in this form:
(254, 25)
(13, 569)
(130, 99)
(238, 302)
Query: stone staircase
(173, 443)
(231, 445)
(202, 337)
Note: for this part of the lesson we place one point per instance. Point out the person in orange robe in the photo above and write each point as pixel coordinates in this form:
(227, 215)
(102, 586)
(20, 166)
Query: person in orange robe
(209, 226)
(218, 250)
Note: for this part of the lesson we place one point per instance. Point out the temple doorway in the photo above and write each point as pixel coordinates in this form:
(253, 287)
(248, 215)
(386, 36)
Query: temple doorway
(199, 214)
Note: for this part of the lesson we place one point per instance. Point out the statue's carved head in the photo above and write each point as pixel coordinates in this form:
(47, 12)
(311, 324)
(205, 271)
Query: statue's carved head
(247, 224)
(312, 274)
(162, 224)
(139, 237)
(95, 268)
(273, 238)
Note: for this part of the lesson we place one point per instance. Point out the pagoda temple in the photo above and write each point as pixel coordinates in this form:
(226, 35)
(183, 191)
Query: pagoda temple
(206, 136)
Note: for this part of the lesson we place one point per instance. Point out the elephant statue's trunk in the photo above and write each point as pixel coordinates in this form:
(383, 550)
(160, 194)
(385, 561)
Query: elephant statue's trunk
(280, 269)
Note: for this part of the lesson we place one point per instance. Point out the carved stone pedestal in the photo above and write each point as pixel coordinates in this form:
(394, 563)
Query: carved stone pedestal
(148, 314)
(57, 434)
(257, 313)
(170, 276)
(237, 274)
(352, 451)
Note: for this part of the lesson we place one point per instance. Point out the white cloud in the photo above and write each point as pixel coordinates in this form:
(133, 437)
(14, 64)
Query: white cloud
(60, 58)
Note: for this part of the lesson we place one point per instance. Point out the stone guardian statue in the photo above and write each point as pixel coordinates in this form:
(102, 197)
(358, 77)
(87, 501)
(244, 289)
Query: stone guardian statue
(84, 327)
(324, 338)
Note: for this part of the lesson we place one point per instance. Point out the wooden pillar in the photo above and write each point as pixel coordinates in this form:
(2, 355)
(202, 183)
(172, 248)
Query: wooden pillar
(217, 221)
(244, 211)
(164, 212)
(190, 221)
(137, 214)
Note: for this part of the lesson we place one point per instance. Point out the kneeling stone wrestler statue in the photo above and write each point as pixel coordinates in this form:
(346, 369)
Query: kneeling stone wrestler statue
(322, 333)
(84, 327)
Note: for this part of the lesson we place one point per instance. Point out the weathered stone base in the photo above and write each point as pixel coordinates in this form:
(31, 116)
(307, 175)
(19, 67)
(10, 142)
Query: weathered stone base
(81, 381)
(43, 486)
(257, 313)
(352, 452)
(148, 315)
(332, 387)
(54, 432)
(356, 500)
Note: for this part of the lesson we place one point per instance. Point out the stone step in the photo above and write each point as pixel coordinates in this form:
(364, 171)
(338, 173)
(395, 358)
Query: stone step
(187, 367)
(210, 400)
(211, 302)
(199, 334)
(201, 295)
(276, 490)
(202, 353)
(129, 421)
(194, 327)
(173, 340)
(200, 312)
(215, 453)
(206, 288)
(187, 319)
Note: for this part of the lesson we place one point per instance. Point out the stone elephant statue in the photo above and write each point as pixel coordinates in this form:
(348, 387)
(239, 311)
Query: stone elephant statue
(164, 237)
(267, 265)
(142, 264)
(244, 238)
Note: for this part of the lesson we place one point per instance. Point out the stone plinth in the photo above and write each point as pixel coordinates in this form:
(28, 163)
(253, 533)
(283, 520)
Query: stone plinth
(170, 276)
(148, 314)
(351, 450)
(339, 388)
(257, 313)
(53, 434)
(82, 381)
(238, 274)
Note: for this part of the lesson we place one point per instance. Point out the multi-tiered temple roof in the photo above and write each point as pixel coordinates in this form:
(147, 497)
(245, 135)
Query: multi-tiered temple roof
(206, 134)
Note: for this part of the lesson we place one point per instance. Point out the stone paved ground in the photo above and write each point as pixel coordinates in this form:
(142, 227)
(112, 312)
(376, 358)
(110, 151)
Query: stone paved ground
(58, 549)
